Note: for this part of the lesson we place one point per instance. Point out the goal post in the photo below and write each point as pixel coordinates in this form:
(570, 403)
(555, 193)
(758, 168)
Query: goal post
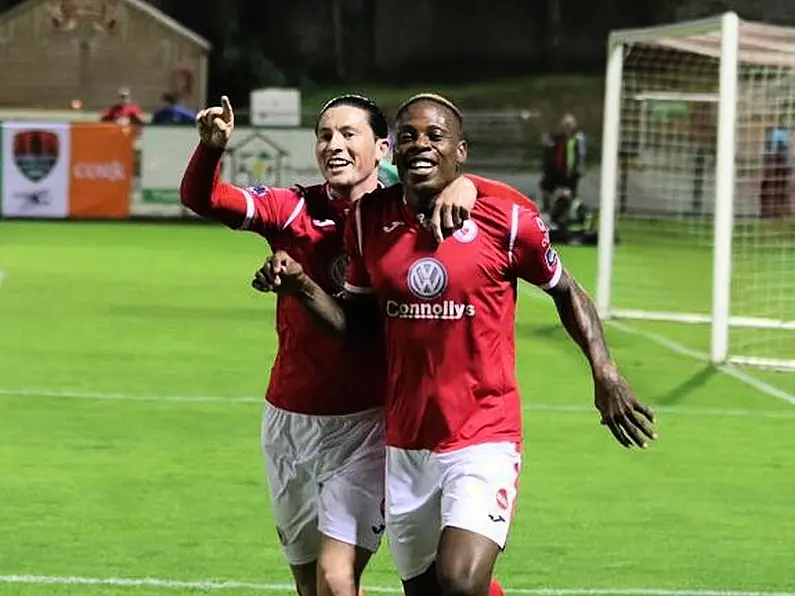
(696, 179)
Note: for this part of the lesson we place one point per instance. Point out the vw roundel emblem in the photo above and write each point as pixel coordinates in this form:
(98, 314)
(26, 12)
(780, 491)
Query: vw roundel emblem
(427, 278)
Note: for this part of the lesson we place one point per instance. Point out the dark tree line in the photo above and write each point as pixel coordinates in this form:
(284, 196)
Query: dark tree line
(261, 42)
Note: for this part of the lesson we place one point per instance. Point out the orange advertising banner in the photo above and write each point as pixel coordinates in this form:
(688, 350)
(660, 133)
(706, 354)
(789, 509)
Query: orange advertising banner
(101, 168)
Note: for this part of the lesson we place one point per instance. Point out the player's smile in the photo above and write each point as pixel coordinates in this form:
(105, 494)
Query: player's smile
(422, 165)
(336, 164)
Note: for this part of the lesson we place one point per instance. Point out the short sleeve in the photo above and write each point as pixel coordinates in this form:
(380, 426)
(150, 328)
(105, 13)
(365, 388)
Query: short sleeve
(357, 278)
(531, 253)
(269, 209)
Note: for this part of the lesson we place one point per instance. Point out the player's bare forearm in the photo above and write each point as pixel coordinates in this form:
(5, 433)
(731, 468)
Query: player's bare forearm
(579, 316)
(325, 309)
(349, 319)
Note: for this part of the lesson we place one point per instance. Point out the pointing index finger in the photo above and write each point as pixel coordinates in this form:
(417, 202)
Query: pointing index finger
(226, 106)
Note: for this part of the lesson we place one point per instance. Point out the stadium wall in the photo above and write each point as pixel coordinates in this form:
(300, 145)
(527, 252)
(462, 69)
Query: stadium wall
(79, 170)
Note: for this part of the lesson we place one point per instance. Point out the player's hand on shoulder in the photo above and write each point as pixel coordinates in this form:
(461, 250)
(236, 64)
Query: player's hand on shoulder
(452, 207)
(630, 421)
(280, 274)
(215, 124)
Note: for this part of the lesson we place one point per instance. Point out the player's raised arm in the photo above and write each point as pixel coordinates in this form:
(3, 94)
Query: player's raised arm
(204, 192)
(535, 260)
(201, 189)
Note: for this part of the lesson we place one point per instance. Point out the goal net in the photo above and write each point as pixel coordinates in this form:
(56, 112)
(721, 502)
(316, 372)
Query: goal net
(697, 181)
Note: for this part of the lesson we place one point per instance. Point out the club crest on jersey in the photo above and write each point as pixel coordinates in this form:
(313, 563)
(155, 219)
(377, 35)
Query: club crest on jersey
(467, 233)
(337, 270)
(427, 278)
(551, 257)
(258, 190)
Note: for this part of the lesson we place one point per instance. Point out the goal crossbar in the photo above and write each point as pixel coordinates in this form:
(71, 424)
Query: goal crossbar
(709, 25)
(759, 43)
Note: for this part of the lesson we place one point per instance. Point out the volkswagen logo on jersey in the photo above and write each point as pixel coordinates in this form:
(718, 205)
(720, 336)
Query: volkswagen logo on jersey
(337, 270)
(467, 233)
(427, 278)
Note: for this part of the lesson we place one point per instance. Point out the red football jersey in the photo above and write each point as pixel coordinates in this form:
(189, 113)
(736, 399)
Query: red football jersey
(449, 314)
(313, 373)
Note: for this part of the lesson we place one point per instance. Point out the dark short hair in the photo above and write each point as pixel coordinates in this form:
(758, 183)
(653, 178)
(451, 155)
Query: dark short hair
(437, 99)
(375, 116)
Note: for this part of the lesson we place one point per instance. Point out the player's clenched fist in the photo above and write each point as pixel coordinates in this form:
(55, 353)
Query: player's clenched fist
(216, 124)
(280, 274)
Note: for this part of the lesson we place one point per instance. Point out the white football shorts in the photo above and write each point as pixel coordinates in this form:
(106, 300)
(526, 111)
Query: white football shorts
(326, 477)
(473, 488)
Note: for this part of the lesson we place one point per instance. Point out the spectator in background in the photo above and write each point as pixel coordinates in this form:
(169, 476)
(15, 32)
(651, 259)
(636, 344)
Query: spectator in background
(776, 172)
(124, 111)
(173, 112)
(564, 161)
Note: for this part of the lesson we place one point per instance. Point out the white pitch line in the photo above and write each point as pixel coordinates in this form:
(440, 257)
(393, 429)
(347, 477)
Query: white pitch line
(665, 342)
(210, 585)
(660, 340)
(757, 384)
(2, 277)
(727, 369)
(67, 394)
(677, 348)
(114, 396)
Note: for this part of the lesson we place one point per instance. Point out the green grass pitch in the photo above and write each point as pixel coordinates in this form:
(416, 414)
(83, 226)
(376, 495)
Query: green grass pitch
(111, 468)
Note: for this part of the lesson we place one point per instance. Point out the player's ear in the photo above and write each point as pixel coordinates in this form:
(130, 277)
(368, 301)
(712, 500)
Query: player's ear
(381, 149)
(462, 151)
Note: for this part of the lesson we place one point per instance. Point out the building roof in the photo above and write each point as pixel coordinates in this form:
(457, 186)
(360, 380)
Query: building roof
(140, 5)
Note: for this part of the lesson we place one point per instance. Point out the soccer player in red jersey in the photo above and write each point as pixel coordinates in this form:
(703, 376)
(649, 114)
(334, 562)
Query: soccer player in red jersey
(453, 410)
(322, 433)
